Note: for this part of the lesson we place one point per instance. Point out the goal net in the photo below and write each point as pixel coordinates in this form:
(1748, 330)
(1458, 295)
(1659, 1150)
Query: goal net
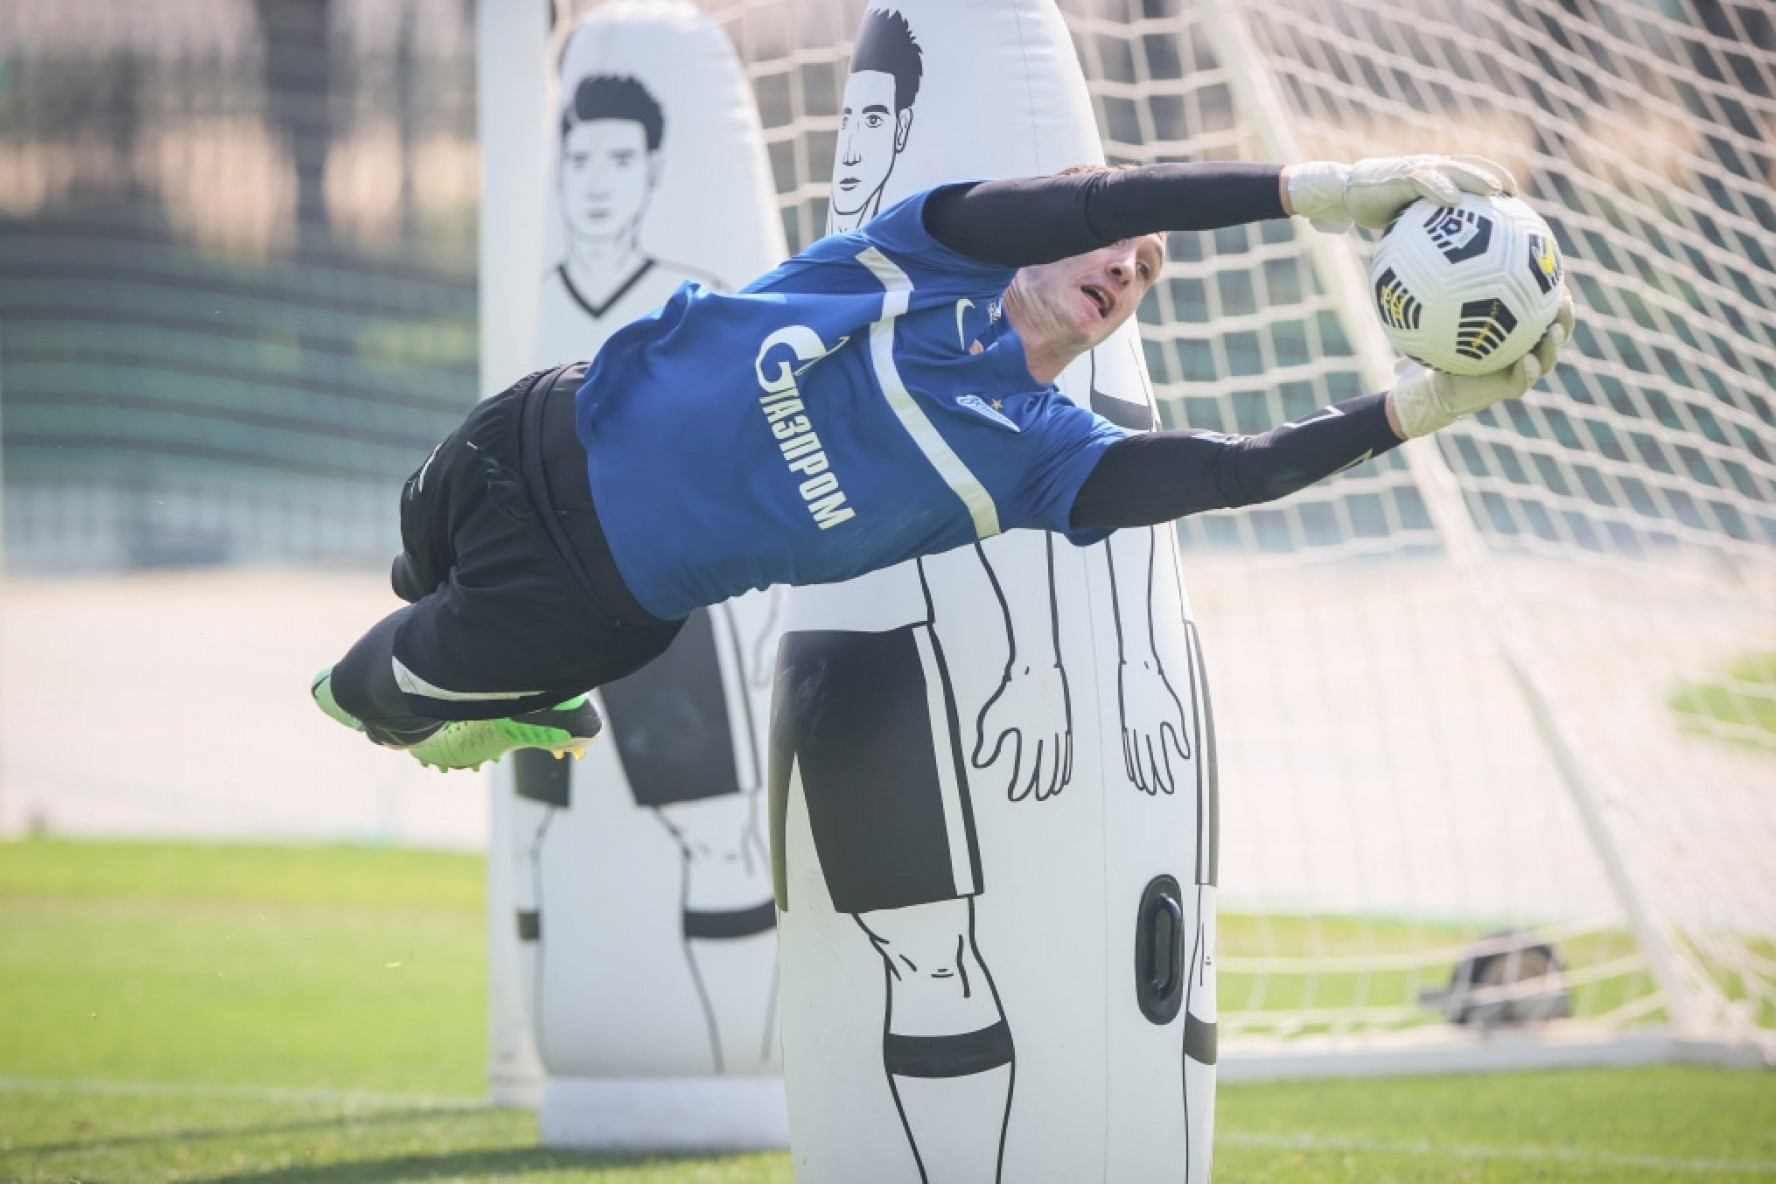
(1497, 713)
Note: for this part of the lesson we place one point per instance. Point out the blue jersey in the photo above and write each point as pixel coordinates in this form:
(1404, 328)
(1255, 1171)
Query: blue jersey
(862, 404)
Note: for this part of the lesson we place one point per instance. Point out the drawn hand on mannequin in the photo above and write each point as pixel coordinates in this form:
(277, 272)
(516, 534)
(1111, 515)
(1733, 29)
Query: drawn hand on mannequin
(1152, 726)
(1040, 755)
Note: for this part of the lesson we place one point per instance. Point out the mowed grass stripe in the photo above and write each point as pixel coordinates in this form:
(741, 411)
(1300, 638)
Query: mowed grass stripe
(260, 1093)
(371, 1102)
(1533, 1154)
(285, 967)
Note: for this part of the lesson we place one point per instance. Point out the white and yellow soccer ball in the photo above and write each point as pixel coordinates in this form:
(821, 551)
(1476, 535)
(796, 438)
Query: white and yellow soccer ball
(1467, 288)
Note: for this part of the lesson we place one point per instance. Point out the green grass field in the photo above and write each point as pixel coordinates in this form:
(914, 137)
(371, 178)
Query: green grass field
(177, 1012)
(1738, 704)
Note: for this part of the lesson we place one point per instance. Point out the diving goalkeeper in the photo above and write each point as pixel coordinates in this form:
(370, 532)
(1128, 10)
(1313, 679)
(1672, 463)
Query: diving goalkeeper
(886, 394)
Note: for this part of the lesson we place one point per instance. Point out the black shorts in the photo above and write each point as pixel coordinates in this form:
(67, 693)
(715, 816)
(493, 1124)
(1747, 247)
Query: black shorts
(517, 603)
(868, 722)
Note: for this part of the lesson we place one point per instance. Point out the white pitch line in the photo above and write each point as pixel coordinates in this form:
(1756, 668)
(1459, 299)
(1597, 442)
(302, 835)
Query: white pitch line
(1536, 1154)
(263, 1093)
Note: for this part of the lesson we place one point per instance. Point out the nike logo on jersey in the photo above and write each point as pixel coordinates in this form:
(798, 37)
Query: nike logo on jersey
(980, 406)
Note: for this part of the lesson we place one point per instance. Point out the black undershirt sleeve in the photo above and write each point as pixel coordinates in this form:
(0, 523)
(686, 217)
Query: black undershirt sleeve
(1030, 220)
(1155, 477)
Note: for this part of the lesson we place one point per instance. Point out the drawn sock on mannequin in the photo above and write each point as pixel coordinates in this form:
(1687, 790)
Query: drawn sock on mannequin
(738, 949)
(954, 1094)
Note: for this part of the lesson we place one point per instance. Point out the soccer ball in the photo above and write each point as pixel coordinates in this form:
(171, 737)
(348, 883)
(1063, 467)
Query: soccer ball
(1468, 288)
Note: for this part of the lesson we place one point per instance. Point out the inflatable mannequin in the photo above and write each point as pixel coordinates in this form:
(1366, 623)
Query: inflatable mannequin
(992, 782)
(641, 894)
(510, 40)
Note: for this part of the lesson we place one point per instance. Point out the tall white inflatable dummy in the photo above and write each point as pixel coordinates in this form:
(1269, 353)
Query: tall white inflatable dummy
(993, 798)
(641, 895)
(511, 38)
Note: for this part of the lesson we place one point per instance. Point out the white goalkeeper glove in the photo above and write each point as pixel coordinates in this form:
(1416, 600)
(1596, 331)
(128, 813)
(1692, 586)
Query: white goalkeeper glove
(1370, 192)
(1425, 400)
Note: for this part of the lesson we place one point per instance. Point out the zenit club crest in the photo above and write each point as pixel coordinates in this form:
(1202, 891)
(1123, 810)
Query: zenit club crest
(1544, 262)
(1459, 233)
(1483, 327)
(1397, 305)
(980, 406)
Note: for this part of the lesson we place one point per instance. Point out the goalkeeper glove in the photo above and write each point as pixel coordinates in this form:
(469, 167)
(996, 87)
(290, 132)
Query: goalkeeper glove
(1425, 400)
(1371, 192)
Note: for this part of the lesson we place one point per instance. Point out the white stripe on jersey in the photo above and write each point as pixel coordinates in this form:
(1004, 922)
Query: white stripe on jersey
(949, 466)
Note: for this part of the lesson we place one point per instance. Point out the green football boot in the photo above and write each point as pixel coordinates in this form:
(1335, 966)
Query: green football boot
(567, 728)
(322, 690)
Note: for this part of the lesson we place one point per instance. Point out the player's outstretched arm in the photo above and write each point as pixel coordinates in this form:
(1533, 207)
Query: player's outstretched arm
(1369, 193)
(1154, 477)
(1025, 221)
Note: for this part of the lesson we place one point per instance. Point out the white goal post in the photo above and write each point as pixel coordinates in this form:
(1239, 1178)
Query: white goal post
(1497, 713)
(1695, 964)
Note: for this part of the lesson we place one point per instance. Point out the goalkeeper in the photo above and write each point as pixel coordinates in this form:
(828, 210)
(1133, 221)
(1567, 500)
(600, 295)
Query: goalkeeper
(886, 394)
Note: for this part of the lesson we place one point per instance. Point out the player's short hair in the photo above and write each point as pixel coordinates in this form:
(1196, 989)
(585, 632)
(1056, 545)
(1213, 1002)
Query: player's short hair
(885, 43)
(614, 96)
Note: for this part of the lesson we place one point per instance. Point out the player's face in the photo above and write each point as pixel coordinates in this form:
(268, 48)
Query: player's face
(606, 175)
(870, 133)
(1077, 302)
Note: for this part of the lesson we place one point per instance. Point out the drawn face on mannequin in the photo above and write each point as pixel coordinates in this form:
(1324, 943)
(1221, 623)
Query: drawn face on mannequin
(607, 175)
(871, 135)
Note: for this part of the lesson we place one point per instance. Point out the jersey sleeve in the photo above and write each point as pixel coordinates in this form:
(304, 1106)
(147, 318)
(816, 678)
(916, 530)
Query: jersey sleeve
(901, 233)
(832, 265)
(1067, 442)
